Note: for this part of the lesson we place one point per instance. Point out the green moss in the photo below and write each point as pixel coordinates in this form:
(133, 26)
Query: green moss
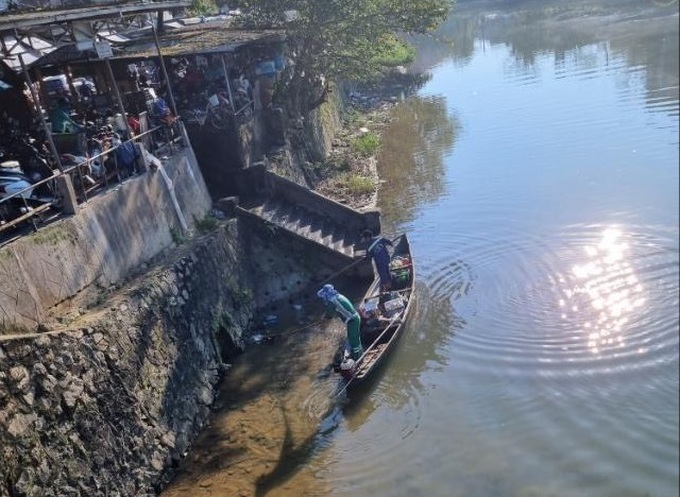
(177, 235)
(53, 235)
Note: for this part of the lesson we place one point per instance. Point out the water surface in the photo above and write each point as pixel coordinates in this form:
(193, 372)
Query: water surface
(536, 173)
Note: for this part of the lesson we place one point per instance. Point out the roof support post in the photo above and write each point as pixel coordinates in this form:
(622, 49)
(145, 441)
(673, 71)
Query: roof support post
(118, 98)
(165, 72)
(226, 78)
(36, 100)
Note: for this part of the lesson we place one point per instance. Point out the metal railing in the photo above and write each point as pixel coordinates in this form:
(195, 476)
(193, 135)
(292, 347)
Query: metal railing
(22, 206)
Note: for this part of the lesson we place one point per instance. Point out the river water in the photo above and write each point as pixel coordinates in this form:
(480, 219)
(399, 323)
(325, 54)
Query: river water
(536, 172)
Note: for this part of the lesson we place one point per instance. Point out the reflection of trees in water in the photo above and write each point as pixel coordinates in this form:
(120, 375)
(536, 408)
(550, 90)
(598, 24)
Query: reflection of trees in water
(411, 157)
(659, 54)
(643, 34)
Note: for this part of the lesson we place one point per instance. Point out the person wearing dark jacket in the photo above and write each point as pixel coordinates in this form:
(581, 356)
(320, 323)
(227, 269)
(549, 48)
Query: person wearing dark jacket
(378, 251)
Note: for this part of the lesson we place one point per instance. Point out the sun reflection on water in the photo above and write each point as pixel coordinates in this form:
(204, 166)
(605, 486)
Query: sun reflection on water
(606, 291)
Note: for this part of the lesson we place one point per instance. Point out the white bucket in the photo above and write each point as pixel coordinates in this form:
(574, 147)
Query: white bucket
(214, 100)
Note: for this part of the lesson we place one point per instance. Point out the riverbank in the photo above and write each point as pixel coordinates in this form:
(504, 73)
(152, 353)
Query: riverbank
(350, 173)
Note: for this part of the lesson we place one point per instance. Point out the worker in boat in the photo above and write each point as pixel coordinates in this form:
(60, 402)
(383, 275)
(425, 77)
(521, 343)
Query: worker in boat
(378, 251)
(338, 304)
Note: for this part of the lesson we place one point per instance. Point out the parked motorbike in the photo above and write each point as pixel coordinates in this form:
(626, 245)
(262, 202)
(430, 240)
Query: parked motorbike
(23, 165)
(16, 191)
(33, 162)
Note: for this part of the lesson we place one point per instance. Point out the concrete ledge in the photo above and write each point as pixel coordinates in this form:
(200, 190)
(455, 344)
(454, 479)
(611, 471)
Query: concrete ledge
(113, 233)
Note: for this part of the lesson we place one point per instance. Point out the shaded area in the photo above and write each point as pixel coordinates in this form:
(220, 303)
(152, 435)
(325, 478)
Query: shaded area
(275, 407)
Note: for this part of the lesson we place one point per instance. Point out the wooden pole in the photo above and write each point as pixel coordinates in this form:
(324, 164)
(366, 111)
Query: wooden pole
(226, 78)
(36, 100)
(165, 72)
(118, 97)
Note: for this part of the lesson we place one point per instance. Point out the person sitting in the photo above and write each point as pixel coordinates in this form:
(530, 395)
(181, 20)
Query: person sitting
(60, 117)
(162, 112)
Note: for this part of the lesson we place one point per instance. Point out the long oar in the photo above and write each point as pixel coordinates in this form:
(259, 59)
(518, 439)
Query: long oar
(345, 269)
(296, 330)
(354, 263)
(358, 361)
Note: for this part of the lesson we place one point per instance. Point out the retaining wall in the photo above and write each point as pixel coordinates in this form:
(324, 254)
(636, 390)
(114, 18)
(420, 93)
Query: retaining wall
(112, 234)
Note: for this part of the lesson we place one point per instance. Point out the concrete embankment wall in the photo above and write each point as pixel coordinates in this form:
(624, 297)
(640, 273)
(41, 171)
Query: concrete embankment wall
(107, 407)
(110, 406)
(112, 234)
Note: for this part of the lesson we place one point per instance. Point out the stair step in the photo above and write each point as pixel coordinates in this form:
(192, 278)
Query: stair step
(305, 223)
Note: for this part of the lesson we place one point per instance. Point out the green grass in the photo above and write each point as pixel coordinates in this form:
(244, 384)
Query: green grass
(356, 184)
(366, 144)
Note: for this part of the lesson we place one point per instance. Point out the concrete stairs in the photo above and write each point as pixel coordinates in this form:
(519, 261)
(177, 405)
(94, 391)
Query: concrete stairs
(313, 226)
(333, 228)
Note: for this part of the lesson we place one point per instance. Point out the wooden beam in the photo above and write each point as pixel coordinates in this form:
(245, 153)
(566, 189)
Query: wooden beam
(17, 21)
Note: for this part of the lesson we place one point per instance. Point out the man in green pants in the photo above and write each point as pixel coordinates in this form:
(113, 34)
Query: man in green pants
(343, 308)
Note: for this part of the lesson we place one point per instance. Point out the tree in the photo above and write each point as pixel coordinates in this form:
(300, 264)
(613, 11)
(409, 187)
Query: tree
(344, 39)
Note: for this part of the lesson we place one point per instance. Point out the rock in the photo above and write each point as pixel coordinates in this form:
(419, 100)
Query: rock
(20, 423)
(20, 376)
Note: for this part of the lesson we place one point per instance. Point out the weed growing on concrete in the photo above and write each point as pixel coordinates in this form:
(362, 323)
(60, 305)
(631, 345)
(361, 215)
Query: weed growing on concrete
(222, 320)
(239, 295)
(53, 235)
(177, 235)
(206, 225)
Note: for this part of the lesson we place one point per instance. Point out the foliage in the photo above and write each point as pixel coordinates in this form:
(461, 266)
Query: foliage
(365, 145)
(202, 7)
(177, 235)
(356, 184)
(344, 39)
(206, 225)
(400, 54)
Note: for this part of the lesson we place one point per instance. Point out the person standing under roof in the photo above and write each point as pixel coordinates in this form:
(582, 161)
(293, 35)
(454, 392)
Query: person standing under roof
(338, 304)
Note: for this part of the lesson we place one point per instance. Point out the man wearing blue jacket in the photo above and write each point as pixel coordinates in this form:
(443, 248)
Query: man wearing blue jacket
(377, 250)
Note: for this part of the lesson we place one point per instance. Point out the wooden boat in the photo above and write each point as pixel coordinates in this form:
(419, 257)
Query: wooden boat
(384, 315)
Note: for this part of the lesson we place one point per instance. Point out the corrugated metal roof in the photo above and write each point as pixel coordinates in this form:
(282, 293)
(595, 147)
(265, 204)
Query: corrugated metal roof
(200, 38)
(31, 48)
